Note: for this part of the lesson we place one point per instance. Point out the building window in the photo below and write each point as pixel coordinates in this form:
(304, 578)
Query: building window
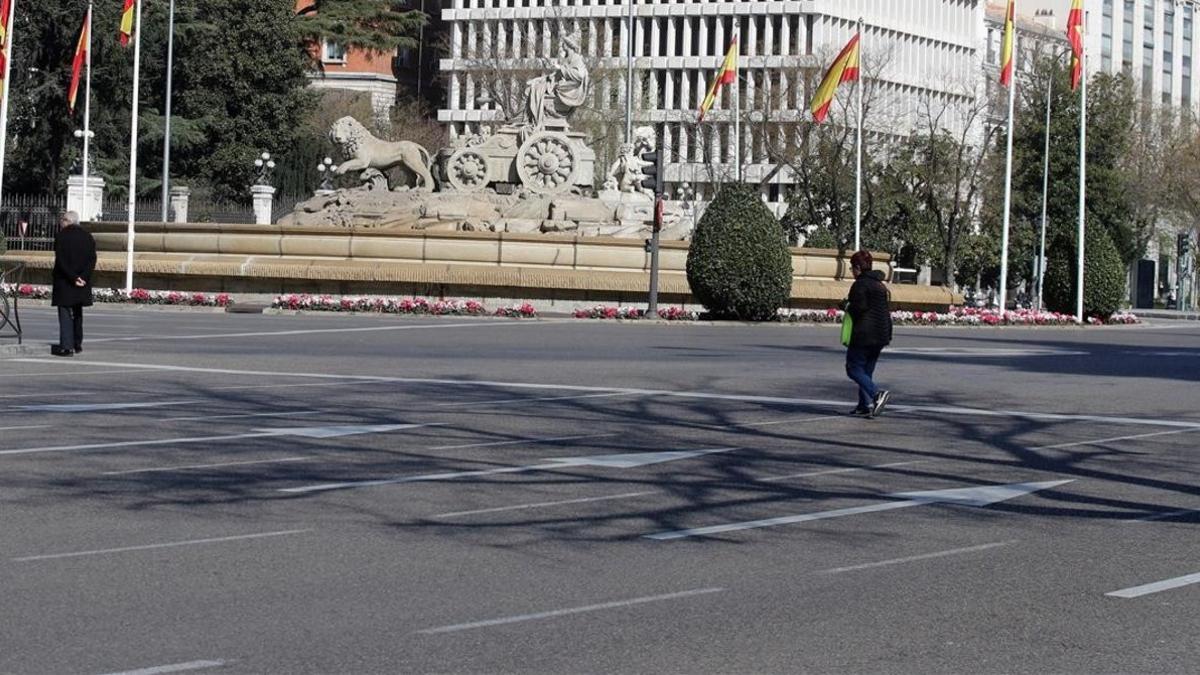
(1186, 65)
(1106, 37)
(1127, 39)
(1148, 50)
(1168, 42)
(333, 52)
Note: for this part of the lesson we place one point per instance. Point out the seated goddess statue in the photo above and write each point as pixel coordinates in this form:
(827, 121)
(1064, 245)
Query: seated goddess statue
(556, 95)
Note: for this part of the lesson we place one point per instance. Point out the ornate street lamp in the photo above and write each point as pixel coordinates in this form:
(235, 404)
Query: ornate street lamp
(265, 166)
(325, 169)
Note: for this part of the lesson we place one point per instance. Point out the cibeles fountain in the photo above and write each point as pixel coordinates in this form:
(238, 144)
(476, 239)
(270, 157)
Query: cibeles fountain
(532, 174)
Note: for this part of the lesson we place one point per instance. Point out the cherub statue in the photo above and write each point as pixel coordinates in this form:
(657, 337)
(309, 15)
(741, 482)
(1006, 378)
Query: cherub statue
(625, 174)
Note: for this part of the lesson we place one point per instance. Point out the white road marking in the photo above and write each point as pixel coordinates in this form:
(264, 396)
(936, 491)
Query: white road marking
(538, 505)
(621, 461)
(1156, 587)
(794, 420)
(530, 400)
(660, 393)
(172, 668)
(95, 407)
(950, 352)
(1163, 516)
(185, 467)
(565, 612)
(341, 430)
(630, 495)
(1114, 438)
(50, 395)
(133, 444)
(974, 496)
(914, 558)
(519, 441)
(229, 417)
(30, 426)
(148, 547)
(60, 373)
(851, 469)
(291, 386)
(313, 432)
(320, 331)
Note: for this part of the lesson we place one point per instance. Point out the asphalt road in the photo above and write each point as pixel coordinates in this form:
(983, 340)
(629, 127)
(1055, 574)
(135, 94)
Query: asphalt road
(331, 494)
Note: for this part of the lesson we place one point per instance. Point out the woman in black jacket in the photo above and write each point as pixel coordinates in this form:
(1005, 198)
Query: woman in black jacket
(870, 310)
(74, 263)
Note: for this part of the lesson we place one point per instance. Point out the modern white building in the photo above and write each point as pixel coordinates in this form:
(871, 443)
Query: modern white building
(919, 49)
(1154, 41)
(1035, 39)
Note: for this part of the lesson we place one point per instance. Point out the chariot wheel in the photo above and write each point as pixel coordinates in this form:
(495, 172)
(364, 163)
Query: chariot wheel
(546, 163)
(467, 170)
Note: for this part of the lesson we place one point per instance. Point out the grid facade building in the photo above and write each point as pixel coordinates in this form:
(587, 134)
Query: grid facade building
(1153, 41)
(917, 49)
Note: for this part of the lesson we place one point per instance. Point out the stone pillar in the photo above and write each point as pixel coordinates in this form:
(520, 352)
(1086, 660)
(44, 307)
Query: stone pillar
(87, 201)
(179, 204)
(264, 199)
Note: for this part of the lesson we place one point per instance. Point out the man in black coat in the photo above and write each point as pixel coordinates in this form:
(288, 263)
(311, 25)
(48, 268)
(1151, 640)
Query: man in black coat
(74, 263)
(870, 309)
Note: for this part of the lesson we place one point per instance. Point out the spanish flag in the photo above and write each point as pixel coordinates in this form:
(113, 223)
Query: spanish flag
(727, 75)
(5, 6)
(1075, 37)
(81, 56)
(127, 22)
(844, 69)
(1006, 47)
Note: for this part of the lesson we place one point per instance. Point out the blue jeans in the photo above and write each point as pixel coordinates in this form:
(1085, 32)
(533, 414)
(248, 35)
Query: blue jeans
(860, 367)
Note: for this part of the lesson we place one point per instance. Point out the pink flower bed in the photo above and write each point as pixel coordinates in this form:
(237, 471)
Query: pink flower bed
(962, 316)
(634, 313)
(138, 296)
(522, 310)
(377, 304)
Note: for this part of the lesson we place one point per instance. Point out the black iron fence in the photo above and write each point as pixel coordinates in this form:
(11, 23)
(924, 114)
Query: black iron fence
(28, 222)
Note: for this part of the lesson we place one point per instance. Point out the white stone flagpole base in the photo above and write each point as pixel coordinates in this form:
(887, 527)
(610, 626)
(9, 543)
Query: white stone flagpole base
(264, 200)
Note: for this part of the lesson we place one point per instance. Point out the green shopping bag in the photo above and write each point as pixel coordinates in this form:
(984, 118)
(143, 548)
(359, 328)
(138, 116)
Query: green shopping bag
(847, 329)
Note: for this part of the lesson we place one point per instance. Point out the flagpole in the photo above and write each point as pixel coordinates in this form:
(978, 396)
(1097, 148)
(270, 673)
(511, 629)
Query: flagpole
(1082, 183)
(87, 109)
(166, 177)
(8, 52)
(133, 137)
(858, 150)
(629, 74)
(1012, 98)
(737, 118)
(1041, 267)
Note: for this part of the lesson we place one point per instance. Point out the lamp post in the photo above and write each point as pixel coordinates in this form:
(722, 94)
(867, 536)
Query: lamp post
(262, 190)
(325, 170)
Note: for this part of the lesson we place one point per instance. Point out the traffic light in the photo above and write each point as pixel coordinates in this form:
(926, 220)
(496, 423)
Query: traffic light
(1184, 244)
(652, 168)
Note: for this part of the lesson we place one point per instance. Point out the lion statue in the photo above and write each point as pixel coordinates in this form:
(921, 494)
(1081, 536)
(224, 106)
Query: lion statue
(363, 150)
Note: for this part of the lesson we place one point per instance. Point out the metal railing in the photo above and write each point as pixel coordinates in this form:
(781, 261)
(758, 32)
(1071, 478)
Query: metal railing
(29, 222)
(12, 275)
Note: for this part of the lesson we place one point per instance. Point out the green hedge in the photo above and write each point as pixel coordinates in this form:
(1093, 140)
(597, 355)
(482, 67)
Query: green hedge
(738, 265)
(1103, 275)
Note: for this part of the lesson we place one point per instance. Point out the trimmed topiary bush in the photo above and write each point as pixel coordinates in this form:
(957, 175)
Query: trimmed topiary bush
(738, 265)
(1103, 275)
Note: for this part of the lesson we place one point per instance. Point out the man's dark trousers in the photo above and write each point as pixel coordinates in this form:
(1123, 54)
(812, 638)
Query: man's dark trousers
(860, 366)
(70, 327)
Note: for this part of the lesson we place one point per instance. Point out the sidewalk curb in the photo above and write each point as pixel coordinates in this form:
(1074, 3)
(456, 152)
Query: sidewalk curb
(110, 306)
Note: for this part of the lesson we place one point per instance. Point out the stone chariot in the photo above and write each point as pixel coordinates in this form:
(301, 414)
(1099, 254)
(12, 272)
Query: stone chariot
(545, 161)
